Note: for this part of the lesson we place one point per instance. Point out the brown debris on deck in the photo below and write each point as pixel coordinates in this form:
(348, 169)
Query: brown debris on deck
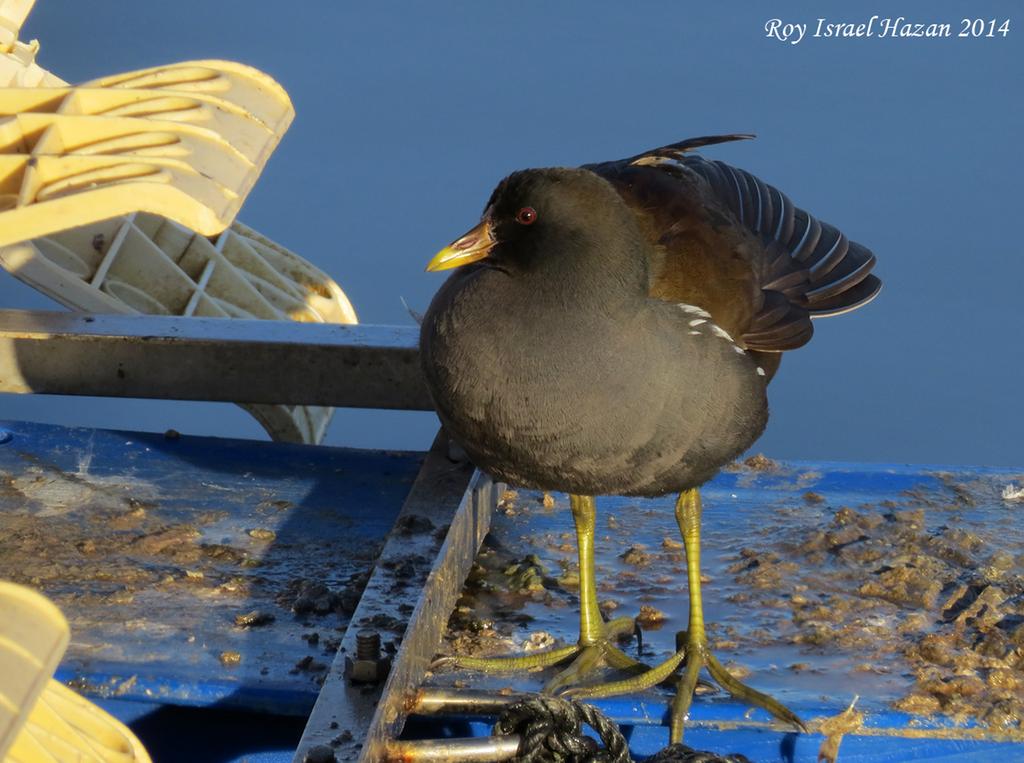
(915, 600)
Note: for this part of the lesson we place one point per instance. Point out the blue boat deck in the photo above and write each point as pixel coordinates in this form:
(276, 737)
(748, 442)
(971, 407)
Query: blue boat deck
(209, 584)
(821, 582)
(152, 546)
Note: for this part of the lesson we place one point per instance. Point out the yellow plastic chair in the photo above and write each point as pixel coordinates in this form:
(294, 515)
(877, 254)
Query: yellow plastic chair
(115, 196)
(42, 721)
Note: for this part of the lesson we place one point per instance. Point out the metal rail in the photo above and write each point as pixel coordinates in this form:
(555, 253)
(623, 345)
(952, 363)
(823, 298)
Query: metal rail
(416, 580)
(238, 361)
(467, 750)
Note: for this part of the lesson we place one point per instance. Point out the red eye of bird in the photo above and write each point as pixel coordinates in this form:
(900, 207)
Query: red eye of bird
(526, 216)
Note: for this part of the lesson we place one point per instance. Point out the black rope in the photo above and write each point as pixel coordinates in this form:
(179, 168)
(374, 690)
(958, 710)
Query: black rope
(680, 753)
(551, 731)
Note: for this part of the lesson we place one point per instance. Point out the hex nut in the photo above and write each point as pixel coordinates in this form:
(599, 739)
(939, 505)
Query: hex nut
(367, 671)
(319, 754)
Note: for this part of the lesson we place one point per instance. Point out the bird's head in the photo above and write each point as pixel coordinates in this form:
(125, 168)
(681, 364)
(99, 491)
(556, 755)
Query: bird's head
(552, 222)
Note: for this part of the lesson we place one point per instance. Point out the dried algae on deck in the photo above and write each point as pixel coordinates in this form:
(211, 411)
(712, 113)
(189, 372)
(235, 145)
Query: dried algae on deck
(911, 597)
(183, 561)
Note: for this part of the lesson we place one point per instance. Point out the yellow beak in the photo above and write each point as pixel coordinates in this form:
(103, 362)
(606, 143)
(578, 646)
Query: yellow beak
(473, 246)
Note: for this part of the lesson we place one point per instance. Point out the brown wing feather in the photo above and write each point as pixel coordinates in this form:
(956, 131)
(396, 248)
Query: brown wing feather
(738, 247)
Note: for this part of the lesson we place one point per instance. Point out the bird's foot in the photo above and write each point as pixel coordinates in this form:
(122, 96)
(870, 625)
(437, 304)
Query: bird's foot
(636, 683)
(697, 654)
(586, 658)
(590, 657)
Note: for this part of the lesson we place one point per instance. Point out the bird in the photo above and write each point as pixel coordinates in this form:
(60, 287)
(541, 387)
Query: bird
(611, 329)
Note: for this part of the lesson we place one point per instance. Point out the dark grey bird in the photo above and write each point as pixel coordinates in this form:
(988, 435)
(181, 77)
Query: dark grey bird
(612, 329)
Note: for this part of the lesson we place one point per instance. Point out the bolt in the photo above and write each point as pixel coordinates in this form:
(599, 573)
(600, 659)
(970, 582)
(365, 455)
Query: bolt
(367, 644)
(368, 667)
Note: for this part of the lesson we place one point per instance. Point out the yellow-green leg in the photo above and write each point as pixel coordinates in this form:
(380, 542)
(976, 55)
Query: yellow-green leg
(596, 645)
(698, 654)
(695, 653)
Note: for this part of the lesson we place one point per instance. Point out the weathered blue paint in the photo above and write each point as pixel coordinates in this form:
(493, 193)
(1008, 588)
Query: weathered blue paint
(141, 627)
(764, 510)
(148, 673)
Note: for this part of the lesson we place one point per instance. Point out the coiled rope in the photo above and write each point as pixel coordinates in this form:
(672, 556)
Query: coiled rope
(551, 731)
